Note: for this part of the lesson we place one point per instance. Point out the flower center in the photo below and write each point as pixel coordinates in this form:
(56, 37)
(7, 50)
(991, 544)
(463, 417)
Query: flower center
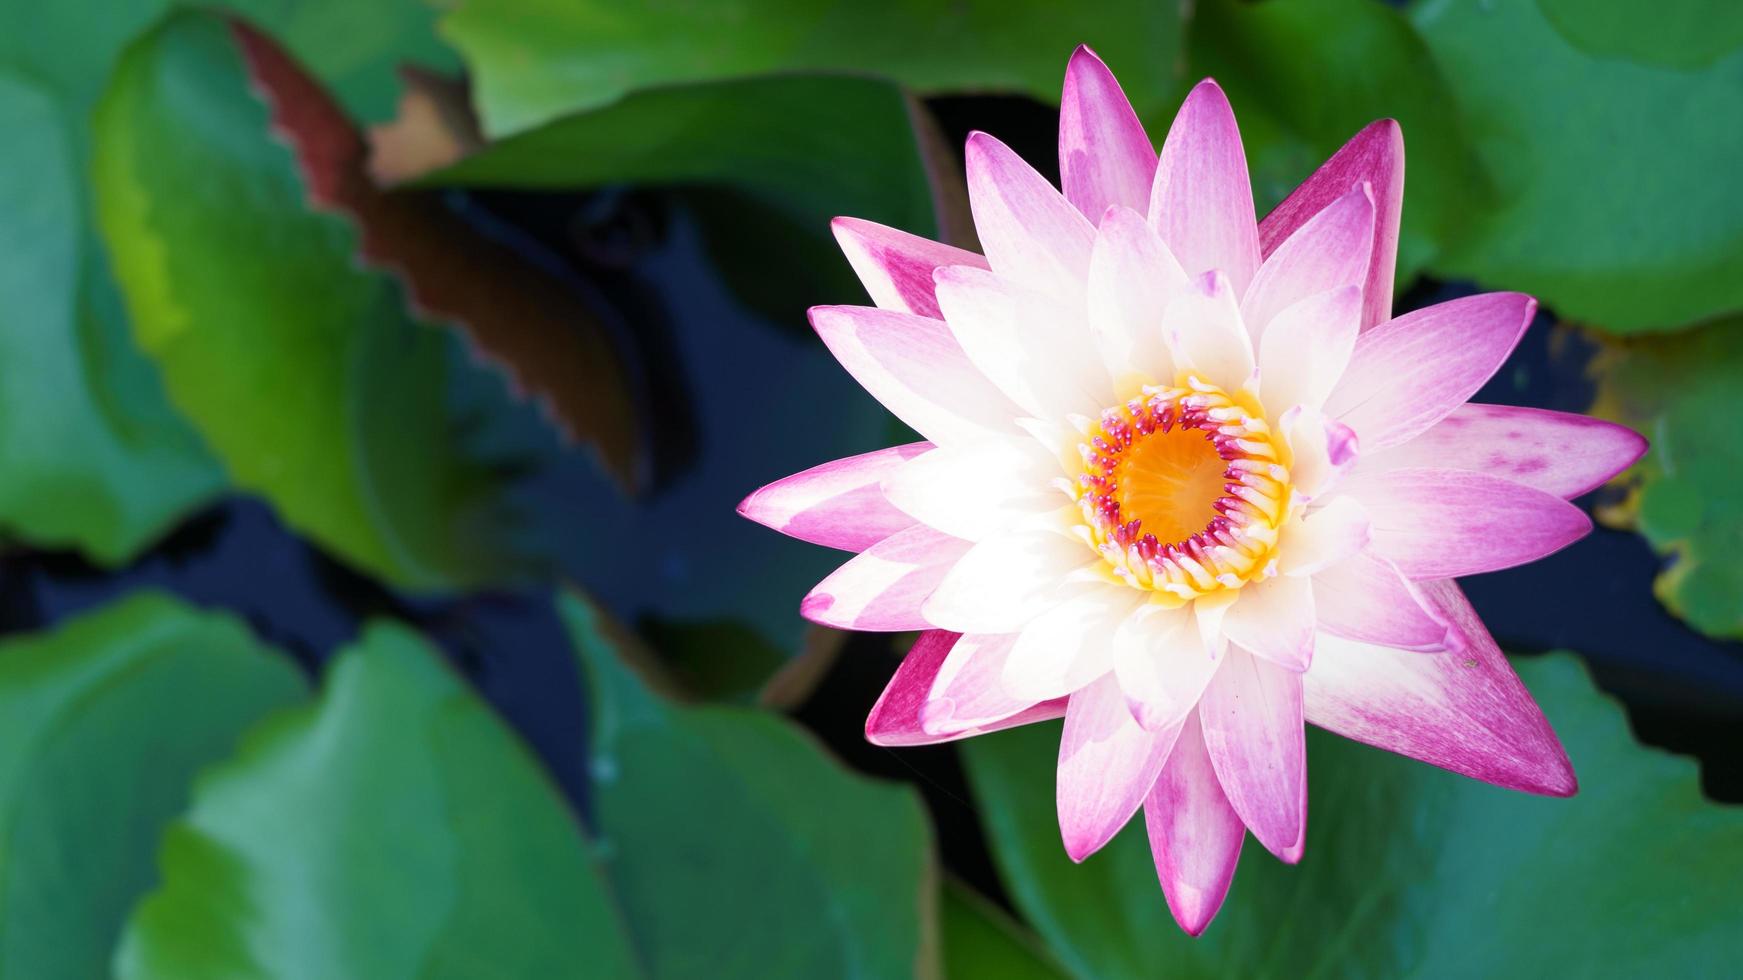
(1183, 490)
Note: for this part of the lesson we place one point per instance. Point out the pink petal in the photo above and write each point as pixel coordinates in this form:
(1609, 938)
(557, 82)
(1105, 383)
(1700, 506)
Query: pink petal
(1324, 450)
(1195, 835)
(1556, 452)
(1105, 158)
(1253, 733)
(1132, 278)
(916, 368)
(1446, 523)
(896, 267)
(1464, 711)
(1367, 599)
(895, 719)
(882, 588)
(1331, 250)
(1306, 349)
(1031, 233)
(969, 689)
(1407, 374)
(1036, 349)
(1107, 764)
(837, 505)
(1274, 619)
(1374, 155)
(1205, 334)
(1202, 201)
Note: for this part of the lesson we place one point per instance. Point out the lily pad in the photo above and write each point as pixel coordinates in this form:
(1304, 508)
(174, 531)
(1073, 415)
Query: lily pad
(1605, 158)
(396, 828)
(737, 848)
(1408, 868)
(982, 943)
(534, 60)
(95, 458)
(304, 373)
(1681, 391)
(99, 741)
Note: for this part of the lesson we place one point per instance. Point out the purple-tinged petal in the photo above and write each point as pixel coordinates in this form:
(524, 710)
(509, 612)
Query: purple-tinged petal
(1368, 600)
(1107, 765)
(1374, 155)
(916, 368)
(1446, 523)
(1556, 452)
(1132, 278)
(882, 588)
(1162, 664)
(896, 718)
(1031, 233)
(1202, 201)
(1329, 251)
(837, 505)
(1305, 350)
(1274, 618)
(1253, 732)
(1323, 538)
(1005, 581)
(1195, 835)
(1205, 335)
(1407, 374)
(1466, 711)
(1036, 349)
(896, 267)
(1105, 157)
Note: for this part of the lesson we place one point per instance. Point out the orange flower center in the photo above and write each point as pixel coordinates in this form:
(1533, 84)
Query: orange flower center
(1183, 489)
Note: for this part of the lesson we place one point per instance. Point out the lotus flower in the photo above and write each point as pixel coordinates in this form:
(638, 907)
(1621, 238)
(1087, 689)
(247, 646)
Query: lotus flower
(1187, 484)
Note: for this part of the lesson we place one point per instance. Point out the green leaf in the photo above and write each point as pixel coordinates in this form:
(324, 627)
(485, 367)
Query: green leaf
(738, 849)
(304, 373)
(99, 740)
(394, 829)
(981, 941)
(1681, 391)
(1408, 868)
(95, 457)
(534, 60)
(92, 454)
(1306, 75)
(1606, 159)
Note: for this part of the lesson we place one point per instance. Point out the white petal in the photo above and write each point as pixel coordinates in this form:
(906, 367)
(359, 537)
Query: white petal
(1304, 351)
(1274, 619)
(974, 490)
(1205, 334)
(1324, 537)
(1323, 448)
(1132, 276)
(1068, 646)
(1004, 581)
(1162, 664)
(1036, 349)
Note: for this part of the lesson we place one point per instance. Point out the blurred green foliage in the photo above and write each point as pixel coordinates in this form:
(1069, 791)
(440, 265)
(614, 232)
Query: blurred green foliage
(102, 741)
(1681, 392)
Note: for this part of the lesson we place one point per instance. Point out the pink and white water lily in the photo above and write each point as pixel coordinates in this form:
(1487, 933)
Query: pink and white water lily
(1188, 484)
